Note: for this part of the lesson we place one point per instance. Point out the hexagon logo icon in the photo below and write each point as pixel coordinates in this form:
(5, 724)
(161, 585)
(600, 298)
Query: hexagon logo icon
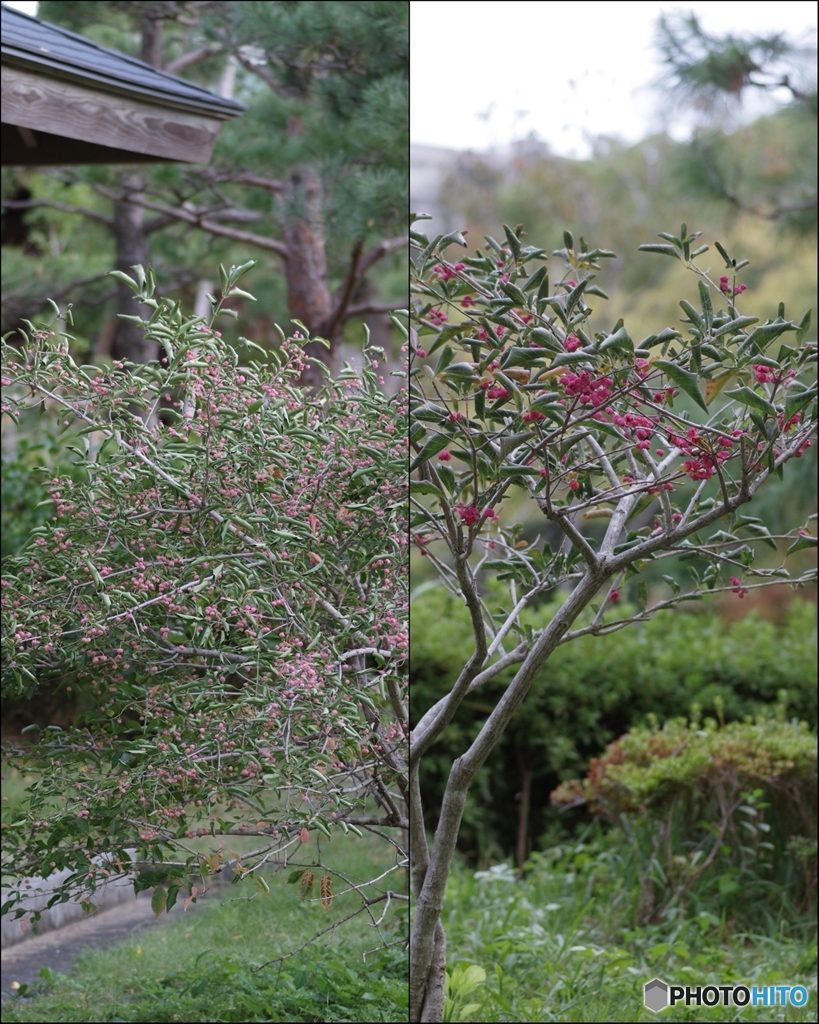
(655, 995)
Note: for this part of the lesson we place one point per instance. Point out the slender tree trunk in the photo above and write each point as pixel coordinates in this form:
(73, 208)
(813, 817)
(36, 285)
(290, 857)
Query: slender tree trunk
(434, 997)
(132, 248)
(308, 292)
(129, 233)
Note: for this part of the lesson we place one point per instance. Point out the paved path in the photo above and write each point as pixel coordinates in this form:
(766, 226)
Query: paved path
(58, 949)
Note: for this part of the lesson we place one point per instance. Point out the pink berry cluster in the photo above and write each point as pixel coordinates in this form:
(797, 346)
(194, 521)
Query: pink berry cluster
(726, 288)
(704, 463)
(447, 273)
(737, 587)
(590, 391)
(641, 427)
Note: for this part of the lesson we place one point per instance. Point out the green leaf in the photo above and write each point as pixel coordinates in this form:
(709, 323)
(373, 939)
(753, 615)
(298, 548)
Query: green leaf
(664, 250)
(424, 487)
(802, 327)
(512, 241)
(521, 357)
(537, 279)
(642, 594)
(159, 900)
(619, 340)
(800, 543)
(120, 275)
(570, 358)
(684, 379)
(754, 401)
(513, 470)
(669, 334)
(514, 293)
(761, 532)
(459, 372)
(734, 325)
(453, 237)
(797, 400)
(693, 315)
(705, 302)
(430, 449)
(765, 334)
(574, 295)
(546, 339)
(724, 254)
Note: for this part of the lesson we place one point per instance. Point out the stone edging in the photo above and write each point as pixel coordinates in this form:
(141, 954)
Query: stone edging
(109, 893)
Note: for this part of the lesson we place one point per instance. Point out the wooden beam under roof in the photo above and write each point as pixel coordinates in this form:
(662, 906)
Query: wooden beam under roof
(67, 100)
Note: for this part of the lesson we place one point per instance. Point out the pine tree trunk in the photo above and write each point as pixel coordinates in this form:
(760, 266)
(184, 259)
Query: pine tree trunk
(308, 292)
(132, 248)
(132, 243)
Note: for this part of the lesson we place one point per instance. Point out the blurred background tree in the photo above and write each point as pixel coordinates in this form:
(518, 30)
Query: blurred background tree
(624, 194)
(317, 166)
(712, 75)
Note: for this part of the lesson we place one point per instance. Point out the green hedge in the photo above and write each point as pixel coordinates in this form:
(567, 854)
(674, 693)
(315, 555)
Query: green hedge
(593, 690)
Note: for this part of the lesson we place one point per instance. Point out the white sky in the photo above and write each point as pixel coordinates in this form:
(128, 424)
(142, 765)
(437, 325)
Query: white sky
(23, 5)
(485, 74)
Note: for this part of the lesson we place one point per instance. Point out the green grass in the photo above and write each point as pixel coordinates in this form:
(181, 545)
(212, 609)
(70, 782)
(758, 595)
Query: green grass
(562, 944)
(202, 968)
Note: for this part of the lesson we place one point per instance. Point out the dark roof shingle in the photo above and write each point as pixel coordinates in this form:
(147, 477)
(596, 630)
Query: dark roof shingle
(34, 45)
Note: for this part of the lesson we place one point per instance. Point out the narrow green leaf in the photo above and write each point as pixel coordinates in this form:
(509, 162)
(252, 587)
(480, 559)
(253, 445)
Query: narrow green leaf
(512, 241)
(800, 543)
(707, 307)
(734, 325)
(569, 358)
(798, 400)
(754, 401)
(684, 379)
(424, 487)
(693, 315)
(453, 237)
(642, 594)
(664, 250)
(120, 275)
(724, 254)
(546, 339)
(802, 327)
(620, 340)
(431, 448)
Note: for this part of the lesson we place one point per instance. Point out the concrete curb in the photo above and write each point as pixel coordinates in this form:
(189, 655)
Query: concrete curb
(17, 929)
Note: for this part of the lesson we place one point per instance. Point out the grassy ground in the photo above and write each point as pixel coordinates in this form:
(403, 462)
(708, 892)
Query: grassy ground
(202, 969)
(562, 945)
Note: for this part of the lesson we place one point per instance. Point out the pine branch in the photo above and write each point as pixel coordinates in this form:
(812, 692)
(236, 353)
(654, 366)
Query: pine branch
(28, 204)
(247, 237)
(173, 67)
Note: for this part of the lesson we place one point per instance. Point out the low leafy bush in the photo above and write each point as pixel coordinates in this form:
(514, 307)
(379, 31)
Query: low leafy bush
(593, 691)
(693, 798)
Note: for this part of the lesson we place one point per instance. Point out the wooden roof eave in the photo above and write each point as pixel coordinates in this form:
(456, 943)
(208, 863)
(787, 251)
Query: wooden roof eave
(127, 126)
(69, 100)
